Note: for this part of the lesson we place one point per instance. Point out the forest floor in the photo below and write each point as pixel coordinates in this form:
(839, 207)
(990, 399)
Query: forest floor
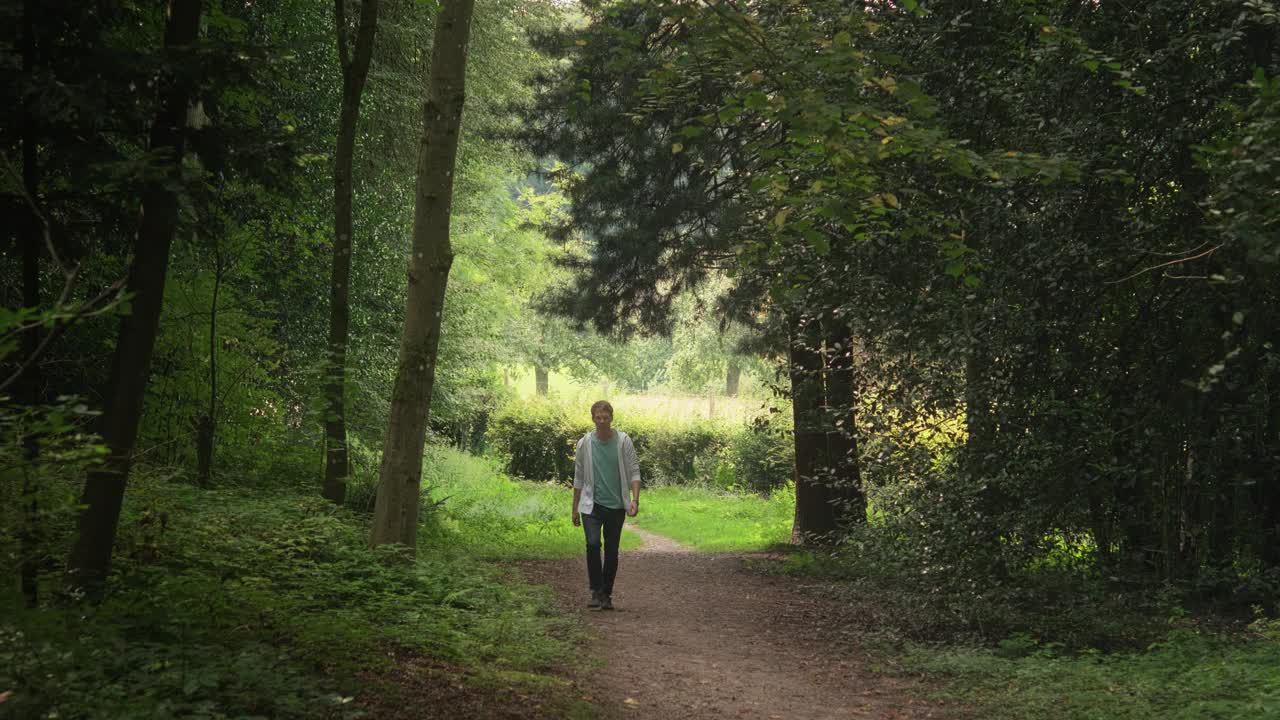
(698, 635)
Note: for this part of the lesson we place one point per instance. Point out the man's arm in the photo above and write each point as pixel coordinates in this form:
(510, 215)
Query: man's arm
(629, 453)
(579, 477)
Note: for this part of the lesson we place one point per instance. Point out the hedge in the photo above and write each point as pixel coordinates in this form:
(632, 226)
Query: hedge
(536, 440)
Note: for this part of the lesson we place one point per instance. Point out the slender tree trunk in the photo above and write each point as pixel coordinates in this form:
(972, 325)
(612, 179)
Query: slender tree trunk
(396, 509)
(540, 380)
(355, 70)
(206, 423)
(814, 518)
(732, 375)
(104, 487)
(30, 388)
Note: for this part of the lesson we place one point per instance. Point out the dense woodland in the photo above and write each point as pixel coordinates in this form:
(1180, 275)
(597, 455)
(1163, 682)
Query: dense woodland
(990, 287)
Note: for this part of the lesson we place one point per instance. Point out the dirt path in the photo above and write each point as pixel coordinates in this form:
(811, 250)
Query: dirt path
(697, 636)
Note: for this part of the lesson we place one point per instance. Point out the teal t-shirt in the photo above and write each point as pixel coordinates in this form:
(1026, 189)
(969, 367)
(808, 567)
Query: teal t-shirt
(604, 473)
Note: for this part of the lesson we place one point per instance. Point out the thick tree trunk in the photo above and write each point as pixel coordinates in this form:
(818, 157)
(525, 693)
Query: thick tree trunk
(849, 502)
(814, 519)
(731, 377)
(540, 380)
(354, 72)
(396, 509)
(104, 487)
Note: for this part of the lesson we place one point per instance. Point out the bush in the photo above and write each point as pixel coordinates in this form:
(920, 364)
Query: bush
(536, 439)
(763, 454)
(669, 453)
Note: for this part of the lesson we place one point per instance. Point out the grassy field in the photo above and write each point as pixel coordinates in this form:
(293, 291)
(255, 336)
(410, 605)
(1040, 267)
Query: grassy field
(660, 403)
(714, 521)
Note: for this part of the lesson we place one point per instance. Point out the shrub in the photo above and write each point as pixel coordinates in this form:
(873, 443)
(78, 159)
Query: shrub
(669, 453)
(536, 440)
(763, 453)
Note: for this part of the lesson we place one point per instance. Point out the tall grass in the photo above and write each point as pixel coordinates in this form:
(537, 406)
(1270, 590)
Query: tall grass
(494, 517)
(659, 403)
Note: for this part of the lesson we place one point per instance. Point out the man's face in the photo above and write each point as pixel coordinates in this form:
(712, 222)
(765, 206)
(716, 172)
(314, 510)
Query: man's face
(603, 420)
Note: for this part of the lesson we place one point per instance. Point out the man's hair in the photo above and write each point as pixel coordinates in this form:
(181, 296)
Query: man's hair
(601, 405)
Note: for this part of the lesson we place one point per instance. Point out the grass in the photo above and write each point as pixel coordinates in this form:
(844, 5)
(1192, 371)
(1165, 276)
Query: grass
(716, 521)
(1188, 676)
(660, 403)
(497, 518)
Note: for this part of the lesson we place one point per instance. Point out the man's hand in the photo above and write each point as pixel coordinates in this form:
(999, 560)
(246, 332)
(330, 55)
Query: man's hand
(633, 507)
(577, 518)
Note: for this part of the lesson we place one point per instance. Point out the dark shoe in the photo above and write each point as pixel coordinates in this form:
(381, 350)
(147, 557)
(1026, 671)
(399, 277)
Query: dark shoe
(594, 602)
(606, 602)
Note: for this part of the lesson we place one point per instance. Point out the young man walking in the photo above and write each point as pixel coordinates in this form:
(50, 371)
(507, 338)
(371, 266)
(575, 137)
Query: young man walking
(606, 488)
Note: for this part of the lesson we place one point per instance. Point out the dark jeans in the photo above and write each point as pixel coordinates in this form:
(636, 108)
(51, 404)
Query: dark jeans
(610, 521)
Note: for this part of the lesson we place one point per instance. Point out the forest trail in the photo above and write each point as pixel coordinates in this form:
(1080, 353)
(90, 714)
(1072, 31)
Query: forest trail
(699, 636)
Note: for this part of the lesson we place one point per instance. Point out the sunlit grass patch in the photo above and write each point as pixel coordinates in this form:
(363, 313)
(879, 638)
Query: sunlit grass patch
(717, 521)
(660, 403)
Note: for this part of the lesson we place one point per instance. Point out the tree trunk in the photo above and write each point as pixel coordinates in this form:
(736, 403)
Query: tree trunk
(104, 487)
(30, 388)
(732, 375)
(354, 72)
(849, 501)
(540, 380)
(206, 424)
(814, 518)
(396, 509)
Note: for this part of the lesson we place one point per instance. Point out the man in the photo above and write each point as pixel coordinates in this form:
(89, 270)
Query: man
(606, 488)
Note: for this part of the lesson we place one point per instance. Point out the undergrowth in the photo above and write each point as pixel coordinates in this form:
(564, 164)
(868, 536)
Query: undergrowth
(1185, 676)
(499, 518)
(1047, 644)
(247, 603)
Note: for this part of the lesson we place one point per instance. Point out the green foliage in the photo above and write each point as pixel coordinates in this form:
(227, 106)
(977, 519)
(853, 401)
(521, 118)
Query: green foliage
(763, 454)
(670, 452)
(1047, 230)
(536, 438)
(253, 603)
